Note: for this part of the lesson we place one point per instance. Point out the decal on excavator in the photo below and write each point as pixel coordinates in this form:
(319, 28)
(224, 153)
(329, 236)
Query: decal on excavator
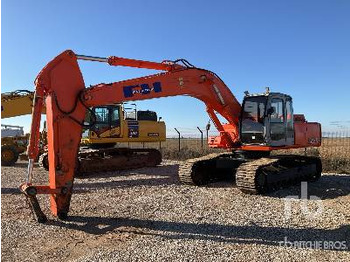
(143, 89)
(314, 140)
(133, 127)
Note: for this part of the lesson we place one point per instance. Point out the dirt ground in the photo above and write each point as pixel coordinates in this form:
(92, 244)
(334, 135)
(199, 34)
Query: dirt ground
(145, 214)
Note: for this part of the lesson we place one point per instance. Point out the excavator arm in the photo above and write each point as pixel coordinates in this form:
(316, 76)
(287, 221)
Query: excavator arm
(60, 86)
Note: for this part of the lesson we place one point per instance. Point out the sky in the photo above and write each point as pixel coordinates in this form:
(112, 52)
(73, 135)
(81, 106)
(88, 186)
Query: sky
(300, 48)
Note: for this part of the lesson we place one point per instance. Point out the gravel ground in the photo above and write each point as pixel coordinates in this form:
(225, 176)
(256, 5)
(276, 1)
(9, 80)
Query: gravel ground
(145, 214)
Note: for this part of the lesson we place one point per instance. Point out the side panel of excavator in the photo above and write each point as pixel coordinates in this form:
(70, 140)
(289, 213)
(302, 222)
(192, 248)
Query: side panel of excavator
(306, 133)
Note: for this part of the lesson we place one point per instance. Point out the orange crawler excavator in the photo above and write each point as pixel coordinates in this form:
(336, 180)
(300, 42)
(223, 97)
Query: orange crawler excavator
(264, 122)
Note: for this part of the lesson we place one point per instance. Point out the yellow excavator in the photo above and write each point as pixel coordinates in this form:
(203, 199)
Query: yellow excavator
(107, 126)
(13, 140)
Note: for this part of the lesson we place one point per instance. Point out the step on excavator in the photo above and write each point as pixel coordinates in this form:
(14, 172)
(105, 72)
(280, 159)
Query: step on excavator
(107, 126)
(263, 123)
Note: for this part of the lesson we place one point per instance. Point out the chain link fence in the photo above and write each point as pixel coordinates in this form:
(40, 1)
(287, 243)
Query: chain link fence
(334, 152)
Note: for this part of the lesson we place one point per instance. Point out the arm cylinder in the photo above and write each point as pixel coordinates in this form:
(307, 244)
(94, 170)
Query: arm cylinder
(120, 61)
(114, 60)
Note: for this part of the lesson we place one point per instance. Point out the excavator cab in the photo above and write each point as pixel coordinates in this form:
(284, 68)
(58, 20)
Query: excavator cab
(267, 119)
(107, 122)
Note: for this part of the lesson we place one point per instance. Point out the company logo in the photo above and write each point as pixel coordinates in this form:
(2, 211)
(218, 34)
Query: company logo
(143, 89)
(314, 244)
(310, 214)
(133, 129)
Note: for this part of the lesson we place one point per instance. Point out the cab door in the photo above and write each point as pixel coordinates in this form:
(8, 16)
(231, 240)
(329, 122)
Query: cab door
(277, 122)
(102, 122)
(115, 122)
(281, 121)
(108, 123)
(289, 122)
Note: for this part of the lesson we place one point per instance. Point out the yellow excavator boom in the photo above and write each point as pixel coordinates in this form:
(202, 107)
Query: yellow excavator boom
(17, 103)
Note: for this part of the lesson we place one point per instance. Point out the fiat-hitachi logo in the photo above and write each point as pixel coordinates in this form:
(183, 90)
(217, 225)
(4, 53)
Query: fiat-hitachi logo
(143, 89)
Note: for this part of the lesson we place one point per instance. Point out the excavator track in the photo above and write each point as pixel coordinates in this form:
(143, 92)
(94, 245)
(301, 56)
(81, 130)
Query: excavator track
(253, 176)
(246, 175)
(270, 174)
(111, 159)
(105, 160)
(196, 171)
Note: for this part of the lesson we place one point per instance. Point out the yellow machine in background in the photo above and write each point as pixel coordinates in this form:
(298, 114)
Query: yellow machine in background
(13, 143)
(13, 140)
(110, 125)
(114, 124)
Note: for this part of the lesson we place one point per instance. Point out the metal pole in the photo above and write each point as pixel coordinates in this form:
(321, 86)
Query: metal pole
(201, 136)
(207, 129)
(179, 139)
(30, 171)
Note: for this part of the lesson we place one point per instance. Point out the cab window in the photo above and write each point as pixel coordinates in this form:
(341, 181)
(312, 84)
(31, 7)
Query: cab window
(277, 115)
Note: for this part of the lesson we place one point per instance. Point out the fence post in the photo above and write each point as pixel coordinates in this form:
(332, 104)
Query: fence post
(207, 129)
(179, 139)
(201, 136)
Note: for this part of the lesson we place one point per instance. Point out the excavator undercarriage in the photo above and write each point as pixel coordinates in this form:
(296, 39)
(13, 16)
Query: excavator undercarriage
(252, 175)
(91, 161)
